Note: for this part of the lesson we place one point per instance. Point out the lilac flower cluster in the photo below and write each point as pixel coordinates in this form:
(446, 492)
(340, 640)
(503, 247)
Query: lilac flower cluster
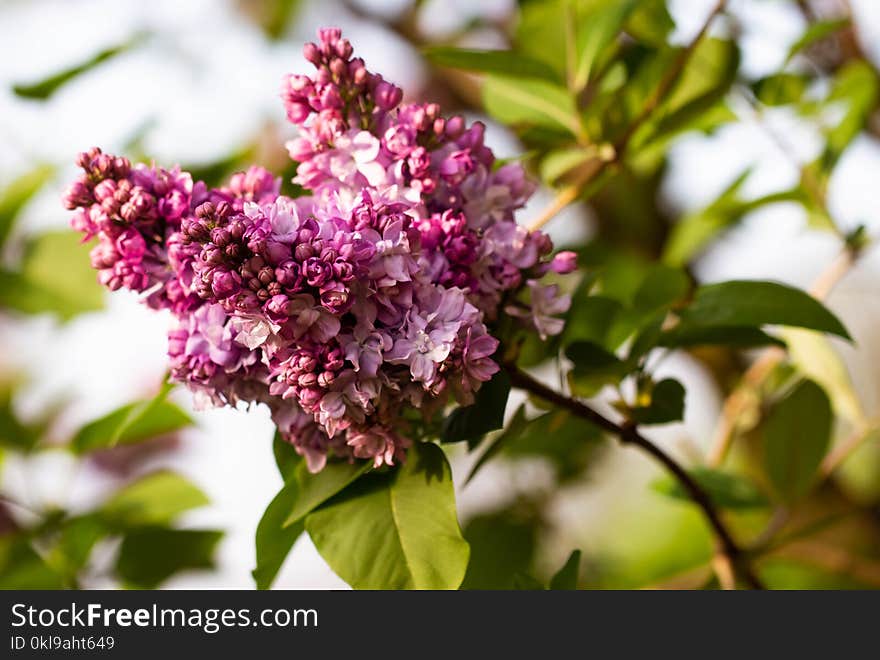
(347, 308)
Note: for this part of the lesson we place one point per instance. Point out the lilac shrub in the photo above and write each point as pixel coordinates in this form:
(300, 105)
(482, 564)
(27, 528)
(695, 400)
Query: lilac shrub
(350, 311)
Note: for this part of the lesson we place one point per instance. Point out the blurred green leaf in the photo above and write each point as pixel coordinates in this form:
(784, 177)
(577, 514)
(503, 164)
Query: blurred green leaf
(594, 367)
(315, 489)
(697, 229)
(569, 442)
(567, 576)
(684, 335)
(816, 32)
(274, 538)
(705, 80)
(756, 303)
(134, 422)
(595, 28)
(726, 490)
(816, 359)
(14, 434)
(505, 62)
(472, 422)
(797, 434)
(516, 426)
(18, 193)
(154, 499)
(854, 94)
(403, 525)
(650, 22)
(22, 568)
(519, 101)
(43, 89)
(502, 545)
(275, 16)
(149, 556)
(76, 539)
(781, 88)
(55, 276)
(667, 404)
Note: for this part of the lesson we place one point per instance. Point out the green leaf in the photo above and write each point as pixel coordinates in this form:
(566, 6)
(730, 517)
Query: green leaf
(705, 80)
(650, 22)
(43, 89)
(755, 303)
(816, 32)
(18, 193)
(502, 545)
(491, 61)
(662, 287)
(797, 434)
(55, 276)
(726, 490)
(22, 568)
(315, 489)
(286, 457)
(155, 499)
(134, 422)
(397, 530)
(855, 91)
(276, 16)
(149, 556)
(591, 319)
(517, 425)
(684, 335)
(568, 441)
(566, 578)
(471, 423)
(595, 29)
(816, 359)
(541, 33)
(525, 101)
(781, 88)
(594, 367)
(76, 539)
(525, 582)
(667, 404)
(274, 539)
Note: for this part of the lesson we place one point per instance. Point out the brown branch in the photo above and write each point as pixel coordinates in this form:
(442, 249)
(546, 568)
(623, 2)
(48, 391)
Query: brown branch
(629, 435)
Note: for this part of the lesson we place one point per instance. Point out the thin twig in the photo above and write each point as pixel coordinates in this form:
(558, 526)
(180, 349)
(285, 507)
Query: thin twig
(629, 435)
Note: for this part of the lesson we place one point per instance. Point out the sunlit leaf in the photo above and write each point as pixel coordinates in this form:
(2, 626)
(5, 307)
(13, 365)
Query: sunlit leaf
(315, 489)
(402, 524)
(530, 102)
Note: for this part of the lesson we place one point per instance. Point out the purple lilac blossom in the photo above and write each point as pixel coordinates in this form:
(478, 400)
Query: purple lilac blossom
(373, 295)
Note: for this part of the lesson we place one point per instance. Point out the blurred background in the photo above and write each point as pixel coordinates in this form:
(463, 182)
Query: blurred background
(196, 83)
